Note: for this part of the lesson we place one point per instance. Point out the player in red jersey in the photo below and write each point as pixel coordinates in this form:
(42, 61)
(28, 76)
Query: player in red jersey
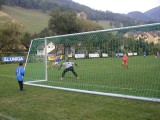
(125, 61)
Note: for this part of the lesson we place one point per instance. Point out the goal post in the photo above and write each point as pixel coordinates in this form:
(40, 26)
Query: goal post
(99, 55)
(35, 67)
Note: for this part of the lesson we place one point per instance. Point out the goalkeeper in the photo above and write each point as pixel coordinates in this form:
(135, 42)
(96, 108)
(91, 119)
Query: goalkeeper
(68, 67)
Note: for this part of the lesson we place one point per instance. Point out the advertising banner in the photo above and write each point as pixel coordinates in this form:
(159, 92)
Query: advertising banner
(104, 55)
(93, 55)
(79, 55)
(13, 59)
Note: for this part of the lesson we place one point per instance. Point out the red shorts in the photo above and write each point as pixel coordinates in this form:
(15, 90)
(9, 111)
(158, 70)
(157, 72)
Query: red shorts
(125, 61)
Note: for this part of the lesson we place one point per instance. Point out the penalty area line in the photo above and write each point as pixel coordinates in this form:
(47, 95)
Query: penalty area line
(8, 76)
(6, 117)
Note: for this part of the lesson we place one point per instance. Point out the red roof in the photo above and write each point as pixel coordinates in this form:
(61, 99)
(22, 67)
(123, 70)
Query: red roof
(58, 48)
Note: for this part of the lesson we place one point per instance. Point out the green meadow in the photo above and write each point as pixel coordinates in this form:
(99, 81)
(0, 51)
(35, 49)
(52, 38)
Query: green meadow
(33, 20)
(49, 104)
(105, 75)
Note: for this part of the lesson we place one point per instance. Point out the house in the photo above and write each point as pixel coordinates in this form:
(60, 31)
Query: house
(41, 48)
(147, 36)
(52, 49)
(152, 37)
(81, 15)
(59, 48)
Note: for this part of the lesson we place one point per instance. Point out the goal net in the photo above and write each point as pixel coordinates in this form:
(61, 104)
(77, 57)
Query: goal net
(100, 56)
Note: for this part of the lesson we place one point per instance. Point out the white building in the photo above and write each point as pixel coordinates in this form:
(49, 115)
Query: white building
(41, 48)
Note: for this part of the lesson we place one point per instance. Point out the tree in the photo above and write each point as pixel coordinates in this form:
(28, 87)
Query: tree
(45, 32)
(68, 23)
(10, 38)
(26, 39)
(62, 23)
(85, 25)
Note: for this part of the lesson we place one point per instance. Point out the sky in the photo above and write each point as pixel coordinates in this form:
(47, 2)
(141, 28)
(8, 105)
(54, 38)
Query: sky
(120, 6)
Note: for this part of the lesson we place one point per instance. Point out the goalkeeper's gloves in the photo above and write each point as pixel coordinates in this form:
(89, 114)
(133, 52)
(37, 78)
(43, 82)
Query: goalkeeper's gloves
(76, 65)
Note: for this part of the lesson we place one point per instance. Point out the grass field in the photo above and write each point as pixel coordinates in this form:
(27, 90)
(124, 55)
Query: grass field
(106, 75)
(33, 20)
(49, 104)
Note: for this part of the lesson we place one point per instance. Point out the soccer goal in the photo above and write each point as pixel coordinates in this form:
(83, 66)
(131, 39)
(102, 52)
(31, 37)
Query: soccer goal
(102, 68)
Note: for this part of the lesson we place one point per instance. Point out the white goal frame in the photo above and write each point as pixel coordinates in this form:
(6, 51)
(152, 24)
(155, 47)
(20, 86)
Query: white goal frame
(33, 83)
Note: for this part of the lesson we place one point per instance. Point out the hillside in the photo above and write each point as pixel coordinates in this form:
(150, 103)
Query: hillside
(68, 5)
(154, 13)
(139, 16)
(151, 15)
(5, 19)
(33, 20)
(37, 19)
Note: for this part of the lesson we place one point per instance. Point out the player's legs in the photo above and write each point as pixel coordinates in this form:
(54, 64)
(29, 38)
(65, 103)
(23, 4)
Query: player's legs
(20, 85)
(64, 72)
(123, 64)
(126, 64)
(55, 64)
(73, 71)
(69, 69)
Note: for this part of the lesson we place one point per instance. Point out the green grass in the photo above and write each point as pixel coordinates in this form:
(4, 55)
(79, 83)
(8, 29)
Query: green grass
(33, 20)
(49, 104)
(106, 75)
